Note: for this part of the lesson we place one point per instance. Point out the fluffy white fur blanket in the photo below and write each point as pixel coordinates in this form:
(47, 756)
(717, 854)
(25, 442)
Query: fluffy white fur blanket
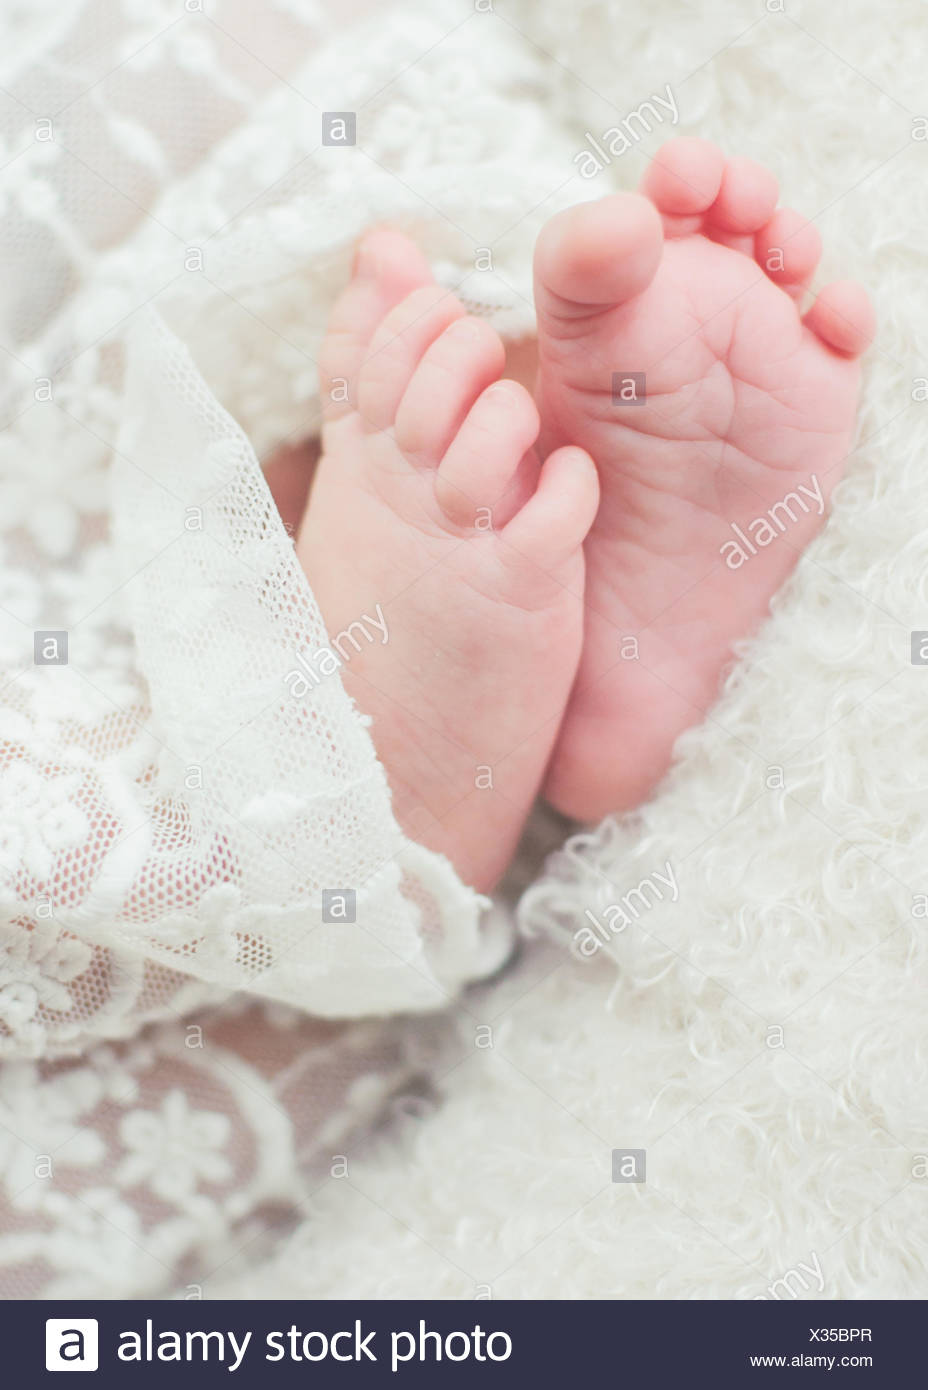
(762, 1037)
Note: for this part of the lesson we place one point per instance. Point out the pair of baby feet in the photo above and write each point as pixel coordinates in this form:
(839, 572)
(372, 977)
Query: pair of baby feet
(560, 577)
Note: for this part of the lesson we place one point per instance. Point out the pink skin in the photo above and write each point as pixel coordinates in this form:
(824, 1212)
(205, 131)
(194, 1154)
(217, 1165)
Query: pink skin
(428, 500)
(699, 284)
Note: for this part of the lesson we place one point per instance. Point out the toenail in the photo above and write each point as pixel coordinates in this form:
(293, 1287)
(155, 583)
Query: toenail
(502, 392)
(465, 329)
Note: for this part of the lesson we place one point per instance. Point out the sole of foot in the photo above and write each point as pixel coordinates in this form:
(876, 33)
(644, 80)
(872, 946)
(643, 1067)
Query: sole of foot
(674, 348)
(433, 526)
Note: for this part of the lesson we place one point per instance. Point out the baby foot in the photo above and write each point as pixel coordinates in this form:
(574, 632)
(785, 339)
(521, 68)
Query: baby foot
(715, 462)
(430, 515)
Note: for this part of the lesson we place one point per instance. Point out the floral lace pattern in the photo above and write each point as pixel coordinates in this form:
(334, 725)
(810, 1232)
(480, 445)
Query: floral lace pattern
(174, 230)
(172, 1154)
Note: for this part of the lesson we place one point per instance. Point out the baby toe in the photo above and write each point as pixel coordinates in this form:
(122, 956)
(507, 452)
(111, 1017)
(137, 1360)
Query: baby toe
(746, 198)
(387, 267)
(396, 348)
(843, 317)
(684, 178)
(553, 524)
(788, 248)
(484, 460)
(458, 365)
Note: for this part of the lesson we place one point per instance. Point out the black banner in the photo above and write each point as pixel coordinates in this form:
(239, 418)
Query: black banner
(494, 1343)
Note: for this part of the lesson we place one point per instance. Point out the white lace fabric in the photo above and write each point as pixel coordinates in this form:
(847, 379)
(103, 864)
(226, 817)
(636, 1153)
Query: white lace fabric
(173, 233)
(174, 1158)
(163, 794)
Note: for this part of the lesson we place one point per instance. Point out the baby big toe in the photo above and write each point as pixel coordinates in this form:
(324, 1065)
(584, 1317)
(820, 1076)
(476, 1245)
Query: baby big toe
(594, 256)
